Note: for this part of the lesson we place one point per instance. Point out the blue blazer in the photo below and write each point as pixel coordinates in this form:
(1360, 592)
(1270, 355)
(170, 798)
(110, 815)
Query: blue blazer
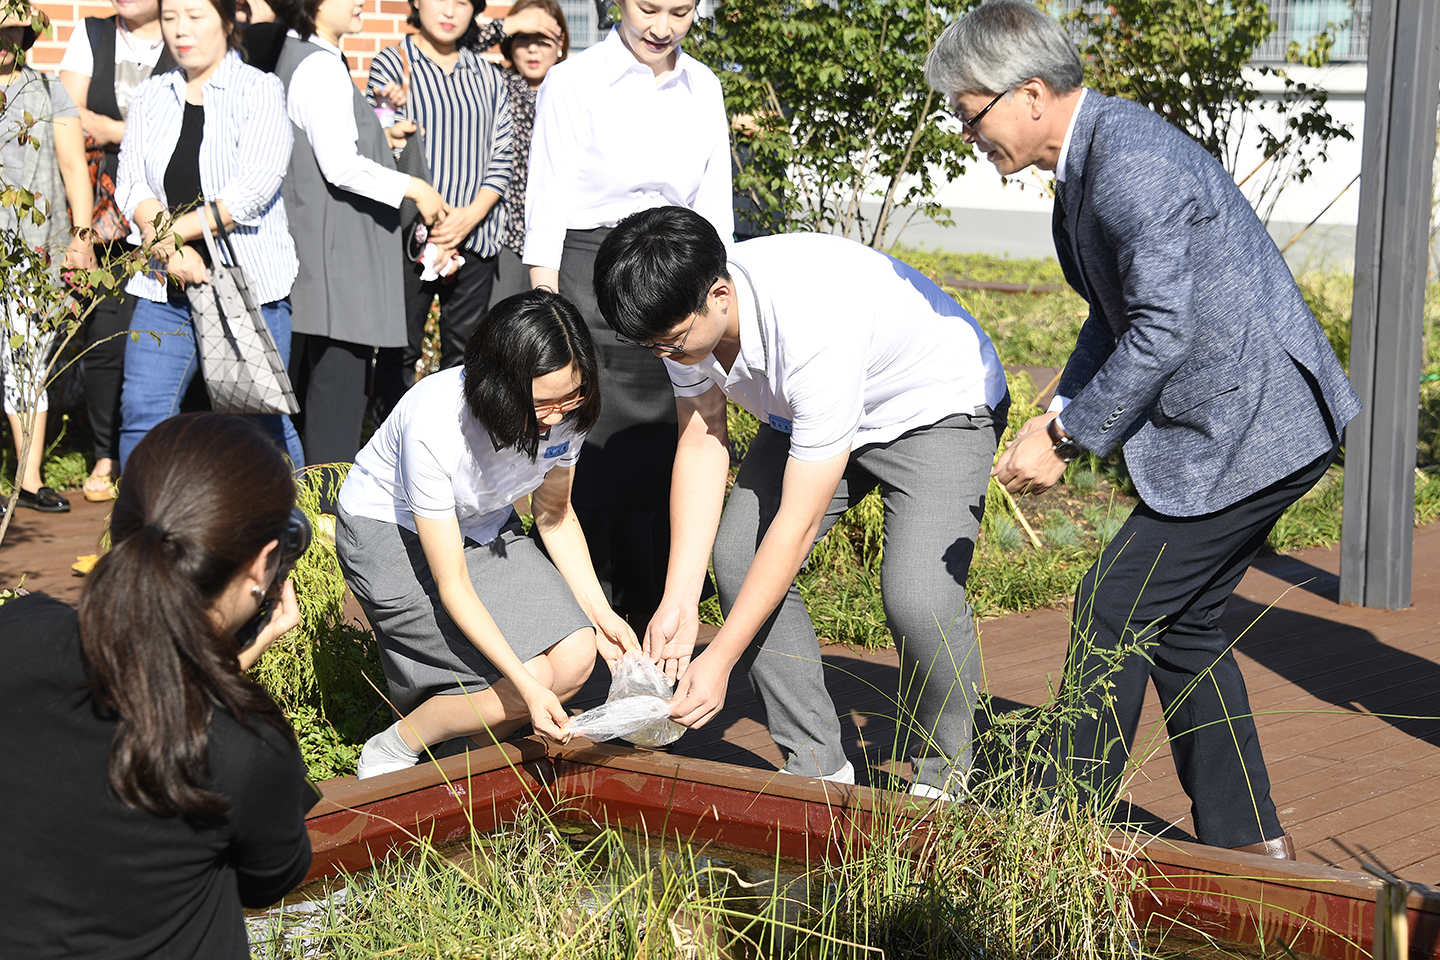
(1199, 355)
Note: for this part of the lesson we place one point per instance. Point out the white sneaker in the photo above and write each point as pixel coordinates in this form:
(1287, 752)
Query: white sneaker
(926, 792)
(376, 759)
(845, 774)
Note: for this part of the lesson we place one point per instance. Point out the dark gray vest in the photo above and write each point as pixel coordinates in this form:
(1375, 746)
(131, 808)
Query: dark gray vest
(350, 285)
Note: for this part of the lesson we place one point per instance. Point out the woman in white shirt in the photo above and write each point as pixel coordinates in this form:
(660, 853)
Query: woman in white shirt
(211, 130)
(629, 124)
(349, 295)
(478, 631)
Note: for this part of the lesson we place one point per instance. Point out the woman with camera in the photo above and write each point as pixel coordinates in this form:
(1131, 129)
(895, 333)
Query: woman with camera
(211, 130)
(479, 631)
(151, 789)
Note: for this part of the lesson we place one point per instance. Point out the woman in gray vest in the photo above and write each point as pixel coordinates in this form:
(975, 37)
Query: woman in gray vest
(343, 195)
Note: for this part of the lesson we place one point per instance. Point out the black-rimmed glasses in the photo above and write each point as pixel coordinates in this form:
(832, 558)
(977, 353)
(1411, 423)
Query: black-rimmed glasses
(969, 126)
(669, 349)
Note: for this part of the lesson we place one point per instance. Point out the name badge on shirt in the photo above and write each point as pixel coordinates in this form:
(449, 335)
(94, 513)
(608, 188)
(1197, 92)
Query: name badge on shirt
(779, 423)
(559, 450)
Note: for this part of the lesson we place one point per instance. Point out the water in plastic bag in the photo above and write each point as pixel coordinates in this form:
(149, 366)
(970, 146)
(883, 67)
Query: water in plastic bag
(637, 709)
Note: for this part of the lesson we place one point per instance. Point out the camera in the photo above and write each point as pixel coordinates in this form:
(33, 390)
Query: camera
(294, 541)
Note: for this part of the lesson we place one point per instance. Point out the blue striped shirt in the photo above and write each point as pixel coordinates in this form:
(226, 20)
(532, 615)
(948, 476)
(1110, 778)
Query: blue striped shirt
(243, 158)
(469, 136)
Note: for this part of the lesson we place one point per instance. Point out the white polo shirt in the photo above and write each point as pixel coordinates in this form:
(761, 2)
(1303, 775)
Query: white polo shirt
(432, 459)
(842, 346)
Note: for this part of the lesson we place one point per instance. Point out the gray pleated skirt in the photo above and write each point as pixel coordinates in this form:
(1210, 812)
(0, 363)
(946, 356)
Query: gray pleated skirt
(422, 650)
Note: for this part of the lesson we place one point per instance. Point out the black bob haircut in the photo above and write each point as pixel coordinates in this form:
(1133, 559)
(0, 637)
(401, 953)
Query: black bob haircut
(298, 15)
(472, 32)
(655, 269)
(521, 338)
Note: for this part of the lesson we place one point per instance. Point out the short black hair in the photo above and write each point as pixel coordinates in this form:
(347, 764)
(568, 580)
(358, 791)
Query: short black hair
(298, 15)
(655, 269)
(521, 338)
(472, 32)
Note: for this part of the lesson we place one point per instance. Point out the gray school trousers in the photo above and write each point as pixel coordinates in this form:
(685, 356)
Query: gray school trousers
(933, 481)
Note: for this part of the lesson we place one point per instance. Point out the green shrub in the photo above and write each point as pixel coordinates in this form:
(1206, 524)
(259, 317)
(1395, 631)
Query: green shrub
(326, 672)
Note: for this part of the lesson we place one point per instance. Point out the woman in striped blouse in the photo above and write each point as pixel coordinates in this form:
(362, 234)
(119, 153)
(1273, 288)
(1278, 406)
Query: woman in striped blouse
(459, 101)
(212, 129)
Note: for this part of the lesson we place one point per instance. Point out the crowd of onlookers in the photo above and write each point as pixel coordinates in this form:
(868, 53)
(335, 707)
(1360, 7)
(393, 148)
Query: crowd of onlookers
(253, 121)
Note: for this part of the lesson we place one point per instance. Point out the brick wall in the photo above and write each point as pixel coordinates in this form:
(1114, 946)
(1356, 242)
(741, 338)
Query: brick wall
(384, 25)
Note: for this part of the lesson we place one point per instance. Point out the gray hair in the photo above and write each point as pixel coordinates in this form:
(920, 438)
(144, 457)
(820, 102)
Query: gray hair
(998, 46)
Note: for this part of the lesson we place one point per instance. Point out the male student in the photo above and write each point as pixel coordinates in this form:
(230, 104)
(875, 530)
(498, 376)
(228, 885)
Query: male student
(863, 374)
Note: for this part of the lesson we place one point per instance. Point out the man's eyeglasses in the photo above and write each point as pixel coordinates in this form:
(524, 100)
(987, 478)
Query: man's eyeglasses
(969, 126)
(669, 349)
(543, 410)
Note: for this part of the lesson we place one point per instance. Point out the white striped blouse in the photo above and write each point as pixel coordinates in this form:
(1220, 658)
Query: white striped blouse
(243, 158)
(468, 129)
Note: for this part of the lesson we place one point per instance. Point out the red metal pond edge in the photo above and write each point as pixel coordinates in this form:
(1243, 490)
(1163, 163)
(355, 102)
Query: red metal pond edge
(1190, 889)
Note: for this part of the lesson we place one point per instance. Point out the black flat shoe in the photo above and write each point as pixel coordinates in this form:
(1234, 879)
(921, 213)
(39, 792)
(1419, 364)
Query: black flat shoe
(45, 500)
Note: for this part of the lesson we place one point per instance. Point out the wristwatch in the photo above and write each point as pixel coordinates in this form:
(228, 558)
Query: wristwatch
(1065, 446)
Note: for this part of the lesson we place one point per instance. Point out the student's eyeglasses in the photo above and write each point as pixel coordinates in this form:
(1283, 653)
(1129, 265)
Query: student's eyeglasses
(669, 349)
(970, 126)
(543, 410)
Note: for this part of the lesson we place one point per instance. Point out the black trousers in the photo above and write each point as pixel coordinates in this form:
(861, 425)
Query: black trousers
(103, 366)
(330, 377)
(464, 298)
(1149, 610)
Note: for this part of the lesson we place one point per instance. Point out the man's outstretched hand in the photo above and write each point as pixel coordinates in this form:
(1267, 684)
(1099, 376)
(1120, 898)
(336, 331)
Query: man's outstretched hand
(1029, 464)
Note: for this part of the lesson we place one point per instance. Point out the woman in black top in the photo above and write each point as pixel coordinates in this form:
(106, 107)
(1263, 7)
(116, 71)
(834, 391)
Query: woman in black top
(105, 59)
(151, 788)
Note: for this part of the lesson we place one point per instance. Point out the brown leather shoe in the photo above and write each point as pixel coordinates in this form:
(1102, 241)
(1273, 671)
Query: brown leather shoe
(1281, 848)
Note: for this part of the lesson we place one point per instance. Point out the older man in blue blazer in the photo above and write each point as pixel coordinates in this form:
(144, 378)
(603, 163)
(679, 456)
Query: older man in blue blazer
(1200, 358)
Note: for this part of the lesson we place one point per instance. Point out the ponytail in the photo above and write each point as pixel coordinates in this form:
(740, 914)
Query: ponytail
(203, 494)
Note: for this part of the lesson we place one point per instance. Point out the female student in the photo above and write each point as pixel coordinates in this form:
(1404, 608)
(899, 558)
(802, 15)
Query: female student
(342, 199)
(213, 129)
(152, 790)
(478, 631)
(629, 124)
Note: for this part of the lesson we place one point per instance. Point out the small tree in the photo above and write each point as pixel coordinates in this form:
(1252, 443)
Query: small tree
(1190, 61)
(38, 297)
(831, 109)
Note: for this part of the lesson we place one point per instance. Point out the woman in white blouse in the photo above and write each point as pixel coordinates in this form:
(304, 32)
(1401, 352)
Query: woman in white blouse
(478, 630)
(212, 129)
(629, 124)
(349, 296)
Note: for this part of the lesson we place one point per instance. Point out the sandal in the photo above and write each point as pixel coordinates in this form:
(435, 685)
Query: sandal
(99, 487)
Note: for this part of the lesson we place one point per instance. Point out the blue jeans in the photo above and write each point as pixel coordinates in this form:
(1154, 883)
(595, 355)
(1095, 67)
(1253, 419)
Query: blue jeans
(158, 372)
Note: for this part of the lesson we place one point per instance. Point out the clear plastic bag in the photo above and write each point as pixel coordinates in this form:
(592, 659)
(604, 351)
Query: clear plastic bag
(637, 709)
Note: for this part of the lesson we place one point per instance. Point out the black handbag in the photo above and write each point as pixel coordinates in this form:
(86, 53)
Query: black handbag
(414, 233)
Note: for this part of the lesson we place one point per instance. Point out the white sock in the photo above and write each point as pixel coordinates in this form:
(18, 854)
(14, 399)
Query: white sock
(385, 753)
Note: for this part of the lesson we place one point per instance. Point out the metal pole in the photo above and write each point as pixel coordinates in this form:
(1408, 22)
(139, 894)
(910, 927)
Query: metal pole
(1402, 92)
